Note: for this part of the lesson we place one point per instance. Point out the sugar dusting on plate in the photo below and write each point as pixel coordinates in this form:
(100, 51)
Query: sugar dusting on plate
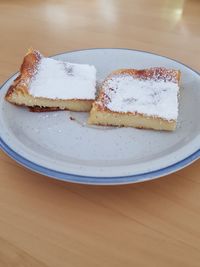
(152, 97)
(62, 80)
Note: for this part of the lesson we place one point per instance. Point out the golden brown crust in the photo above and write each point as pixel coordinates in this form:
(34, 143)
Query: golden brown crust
(43, 109)
(27, 70)
(156, 73)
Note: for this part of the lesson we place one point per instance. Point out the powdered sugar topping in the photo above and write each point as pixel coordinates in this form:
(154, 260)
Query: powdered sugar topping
(151, 97)
(62, 80)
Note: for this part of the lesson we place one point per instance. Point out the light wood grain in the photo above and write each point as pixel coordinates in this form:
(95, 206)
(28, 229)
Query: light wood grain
(44, 222)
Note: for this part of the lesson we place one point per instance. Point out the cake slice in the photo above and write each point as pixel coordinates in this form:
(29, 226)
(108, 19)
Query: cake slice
(138, 98)
(46, 84)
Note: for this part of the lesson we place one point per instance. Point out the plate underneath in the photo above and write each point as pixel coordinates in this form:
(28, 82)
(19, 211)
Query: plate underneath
(62, 145)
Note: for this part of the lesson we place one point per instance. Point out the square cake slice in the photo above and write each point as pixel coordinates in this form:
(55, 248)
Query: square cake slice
(138, 98)
(46, 84)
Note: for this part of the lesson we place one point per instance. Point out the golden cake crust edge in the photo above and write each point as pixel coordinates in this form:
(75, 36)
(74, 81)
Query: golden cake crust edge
(20, 84)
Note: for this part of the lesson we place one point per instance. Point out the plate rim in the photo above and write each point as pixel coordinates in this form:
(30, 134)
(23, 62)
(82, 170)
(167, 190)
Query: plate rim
(93, 180)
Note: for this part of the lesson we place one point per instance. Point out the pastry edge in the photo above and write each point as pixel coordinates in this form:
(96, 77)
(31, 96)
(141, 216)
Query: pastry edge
(135, 120)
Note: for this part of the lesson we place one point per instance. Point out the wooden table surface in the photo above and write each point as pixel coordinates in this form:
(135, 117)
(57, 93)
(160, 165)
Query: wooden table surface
(44, 222)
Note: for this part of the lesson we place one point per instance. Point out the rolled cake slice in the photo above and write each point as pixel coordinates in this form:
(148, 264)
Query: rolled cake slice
(138, 98)
(46, 84)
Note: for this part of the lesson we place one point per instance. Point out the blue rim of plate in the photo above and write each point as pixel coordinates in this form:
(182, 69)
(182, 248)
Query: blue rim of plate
(101, 180)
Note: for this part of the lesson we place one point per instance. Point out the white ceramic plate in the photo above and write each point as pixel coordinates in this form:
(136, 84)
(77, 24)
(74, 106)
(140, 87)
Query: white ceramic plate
(56, 146)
